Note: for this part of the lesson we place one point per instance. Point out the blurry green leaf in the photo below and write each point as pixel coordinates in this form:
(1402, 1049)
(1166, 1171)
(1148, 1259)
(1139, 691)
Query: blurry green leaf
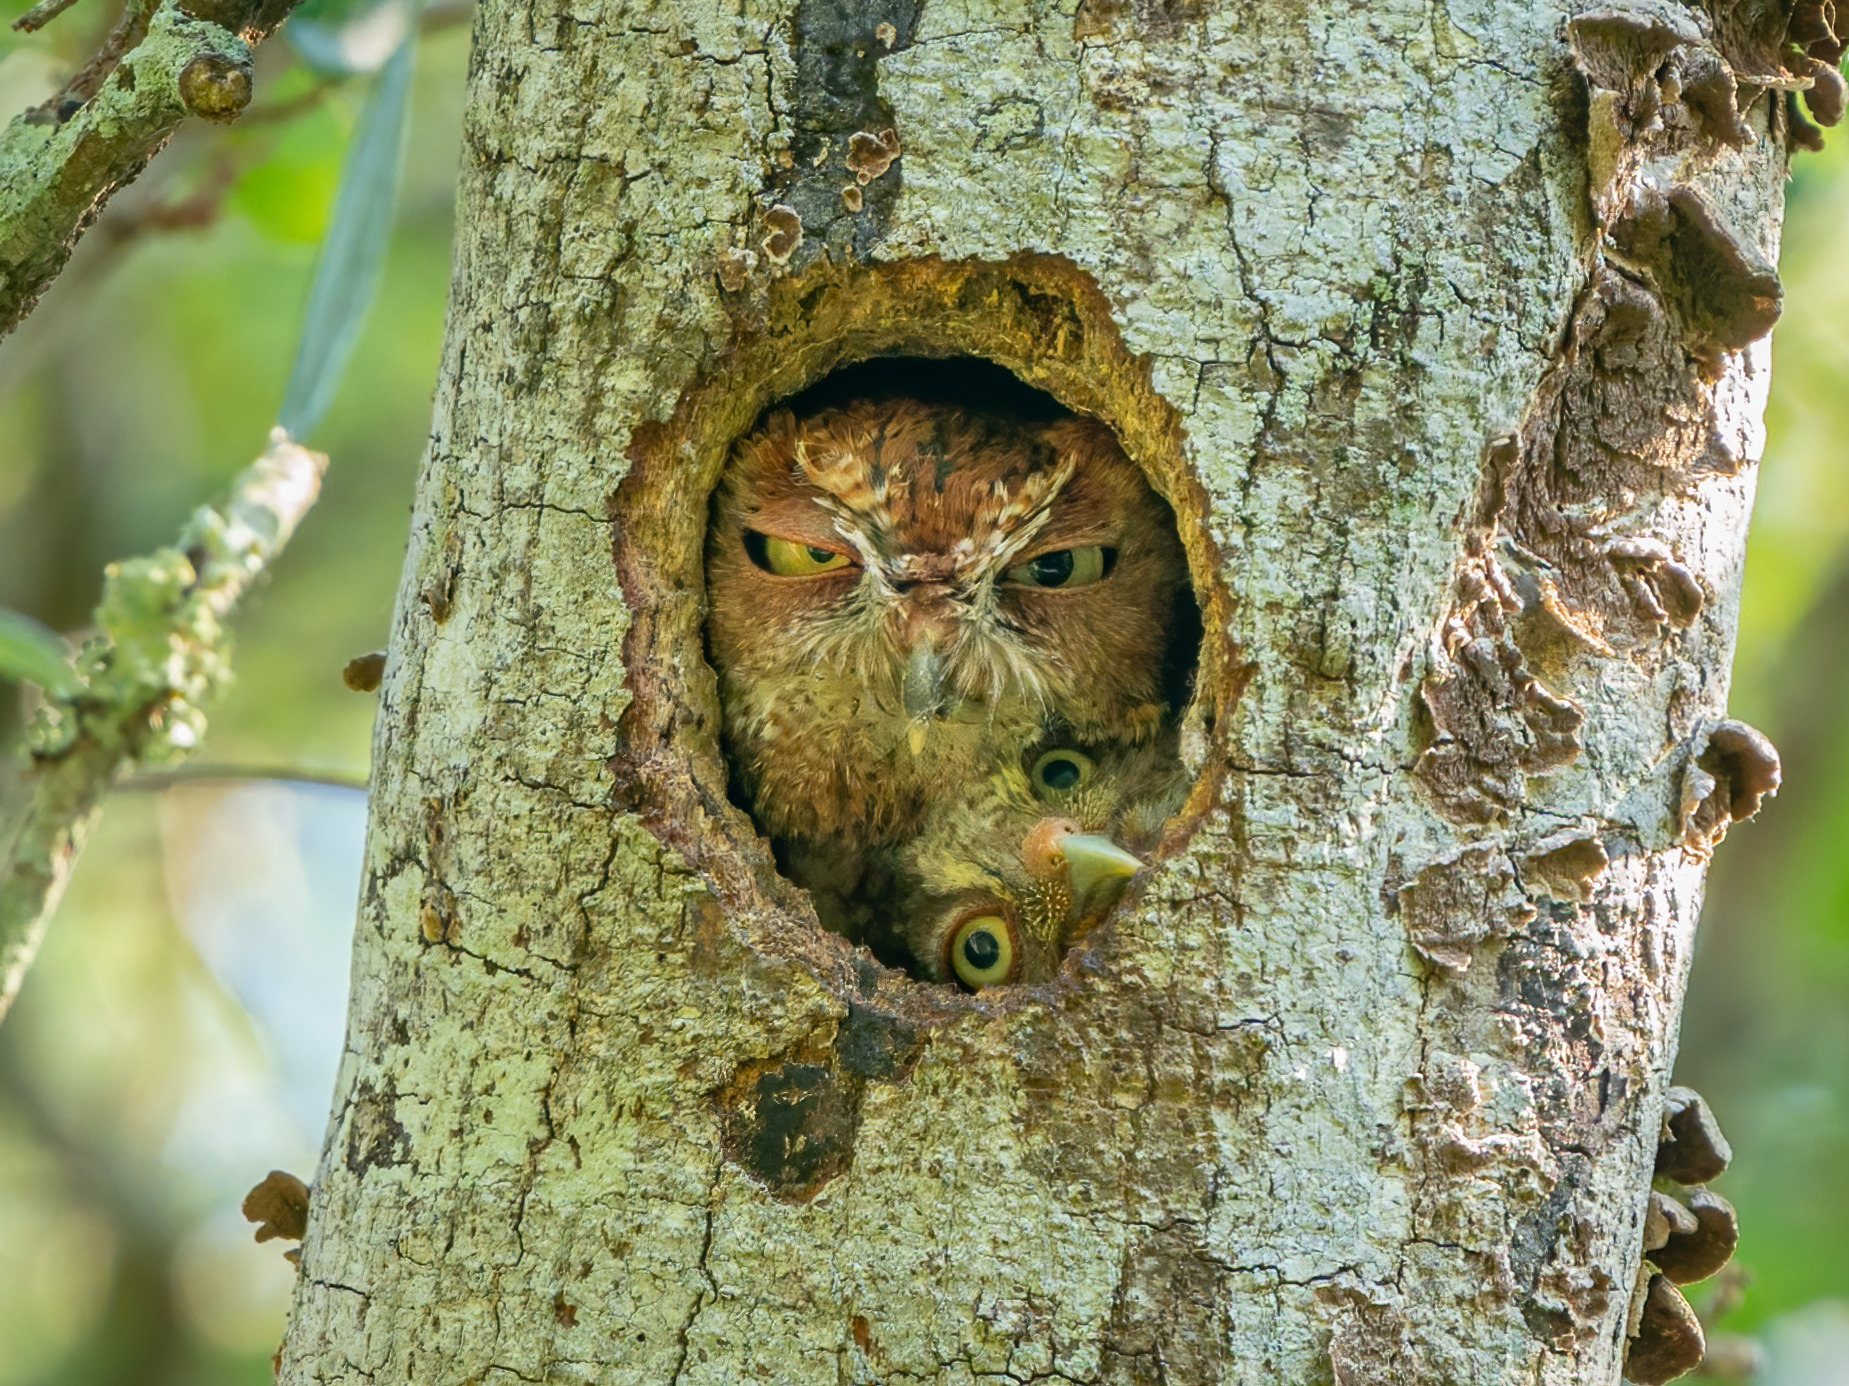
(289, 196)
(32, 653)
(288, 204)
(354, 251)
(350, 35)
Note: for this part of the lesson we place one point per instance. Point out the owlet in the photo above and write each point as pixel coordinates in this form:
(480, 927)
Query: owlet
(904, 596)
(994, 889)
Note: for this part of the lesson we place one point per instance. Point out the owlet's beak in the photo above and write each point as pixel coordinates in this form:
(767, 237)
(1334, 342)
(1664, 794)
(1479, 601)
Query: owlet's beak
(1095, 865)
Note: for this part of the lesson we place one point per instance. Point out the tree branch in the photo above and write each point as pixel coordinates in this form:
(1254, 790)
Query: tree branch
(130, 28)
(40, 15)
(160, 656)
(60, 164)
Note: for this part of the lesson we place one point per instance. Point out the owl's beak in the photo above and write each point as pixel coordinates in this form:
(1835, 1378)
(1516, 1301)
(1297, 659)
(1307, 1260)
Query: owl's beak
(1095, 865)
(924, 691)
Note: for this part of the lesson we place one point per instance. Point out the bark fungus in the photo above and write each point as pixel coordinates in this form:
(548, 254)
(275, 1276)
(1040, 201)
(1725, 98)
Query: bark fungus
(1441, 329)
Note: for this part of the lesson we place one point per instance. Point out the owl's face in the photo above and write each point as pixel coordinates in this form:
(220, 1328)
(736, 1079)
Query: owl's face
(996, 885)
(1057, 879)
(903, 596)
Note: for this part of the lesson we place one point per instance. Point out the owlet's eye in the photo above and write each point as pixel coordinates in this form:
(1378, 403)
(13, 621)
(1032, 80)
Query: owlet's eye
(1061, 772)
(982, 951)
(1063, 568)
(787, 558)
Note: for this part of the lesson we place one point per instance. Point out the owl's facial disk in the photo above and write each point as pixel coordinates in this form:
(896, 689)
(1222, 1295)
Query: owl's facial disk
(935, 567)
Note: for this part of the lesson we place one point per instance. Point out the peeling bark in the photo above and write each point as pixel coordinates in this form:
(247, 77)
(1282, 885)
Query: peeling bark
(1441, 328)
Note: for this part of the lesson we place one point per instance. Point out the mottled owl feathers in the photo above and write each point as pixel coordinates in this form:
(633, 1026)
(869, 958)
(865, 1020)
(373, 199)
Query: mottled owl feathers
(903, 599)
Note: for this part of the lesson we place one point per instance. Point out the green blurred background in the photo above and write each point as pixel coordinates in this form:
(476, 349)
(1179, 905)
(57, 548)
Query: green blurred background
(179, 1034)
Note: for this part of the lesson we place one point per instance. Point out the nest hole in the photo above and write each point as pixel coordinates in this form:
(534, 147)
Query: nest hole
(957, 645)
(1031, 338)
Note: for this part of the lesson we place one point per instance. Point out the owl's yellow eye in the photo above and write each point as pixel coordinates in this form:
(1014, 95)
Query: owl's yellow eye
(787, 558)
(982, 951)
(1063, 568)
(1061, 772)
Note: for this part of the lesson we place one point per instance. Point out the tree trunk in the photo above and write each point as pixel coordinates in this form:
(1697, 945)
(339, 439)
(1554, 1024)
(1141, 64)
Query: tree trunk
(1442, 328)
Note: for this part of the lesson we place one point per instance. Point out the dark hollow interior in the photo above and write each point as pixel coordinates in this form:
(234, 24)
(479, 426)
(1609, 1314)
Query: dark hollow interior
(965, 381)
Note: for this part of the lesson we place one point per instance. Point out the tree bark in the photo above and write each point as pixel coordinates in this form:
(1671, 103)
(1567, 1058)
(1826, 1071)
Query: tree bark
(1442, 328)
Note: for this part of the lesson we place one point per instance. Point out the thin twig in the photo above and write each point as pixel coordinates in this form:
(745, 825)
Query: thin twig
(129, 218)
(198, 209)
(160, 657)
(206, 203)
(301, 102)
(41, 14)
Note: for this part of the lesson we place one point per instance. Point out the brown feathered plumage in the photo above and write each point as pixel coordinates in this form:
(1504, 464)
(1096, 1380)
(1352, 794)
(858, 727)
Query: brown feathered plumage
(903, 597)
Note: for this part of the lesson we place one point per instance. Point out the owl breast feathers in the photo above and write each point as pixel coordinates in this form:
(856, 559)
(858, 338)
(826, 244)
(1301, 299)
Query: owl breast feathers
(903, 597)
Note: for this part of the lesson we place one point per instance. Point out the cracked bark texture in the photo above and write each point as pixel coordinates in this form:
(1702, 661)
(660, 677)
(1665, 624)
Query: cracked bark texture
(1441, 324)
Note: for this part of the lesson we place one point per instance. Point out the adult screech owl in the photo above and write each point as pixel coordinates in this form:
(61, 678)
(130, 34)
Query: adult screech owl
(904, 596)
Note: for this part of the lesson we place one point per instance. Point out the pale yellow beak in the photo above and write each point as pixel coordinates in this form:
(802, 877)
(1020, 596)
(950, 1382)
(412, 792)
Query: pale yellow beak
(1094, 864)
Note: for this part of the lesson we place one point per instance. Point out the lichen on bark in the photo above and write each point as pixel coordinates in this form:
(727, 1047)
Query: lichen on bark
(1463, 483)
